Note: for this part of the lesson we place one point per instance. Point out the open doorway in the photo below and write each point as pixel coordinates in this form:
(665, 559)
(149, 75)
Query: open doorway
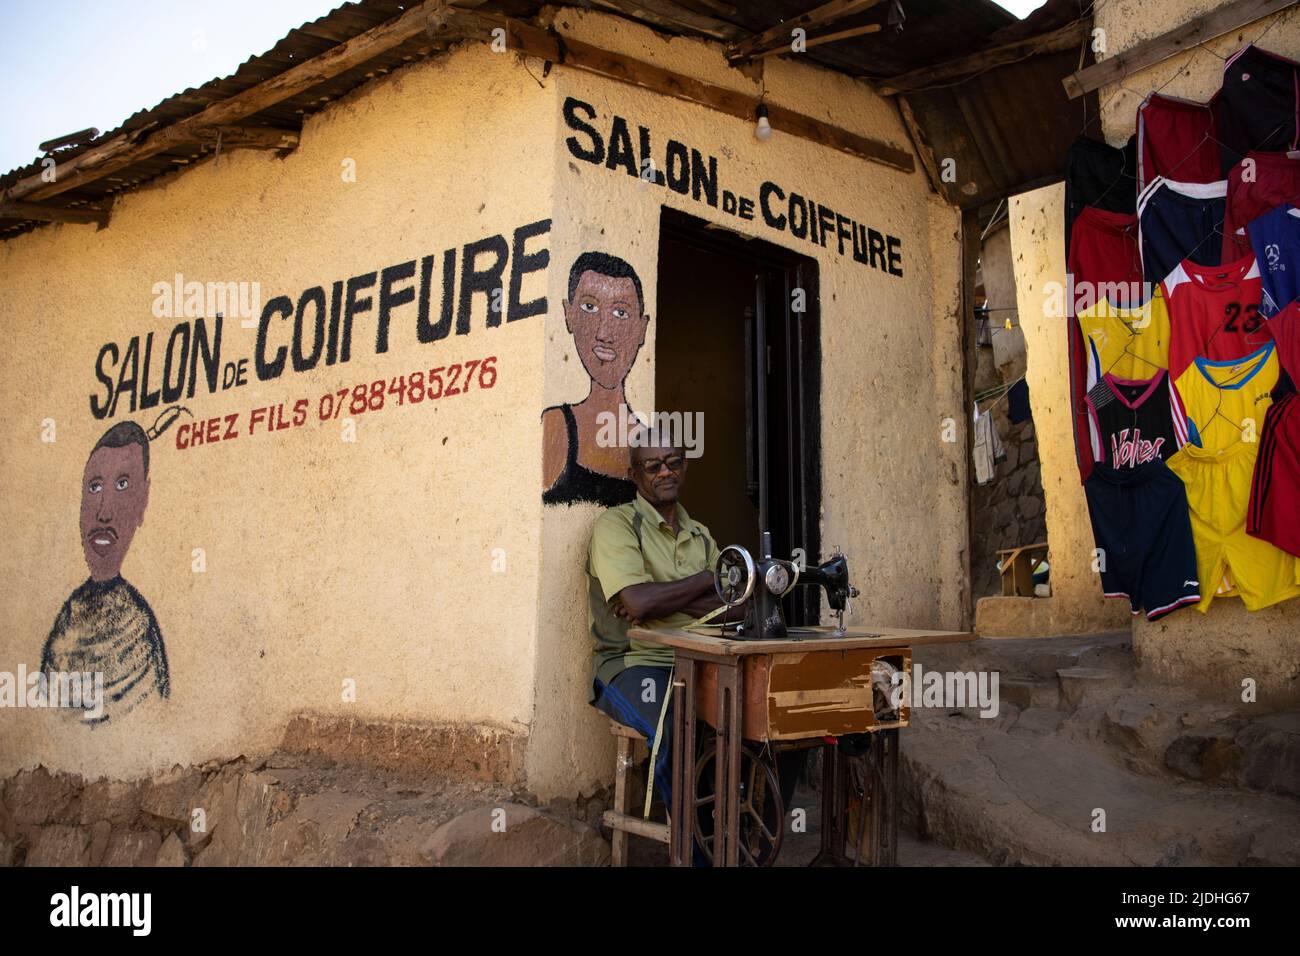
(714, 288)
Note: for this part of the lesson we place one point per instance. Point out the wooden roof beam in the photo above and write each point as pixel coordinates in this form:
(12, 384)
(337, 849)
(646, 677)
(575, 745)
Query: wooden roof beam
(127, 148)
(778, 37)
(674, 16)
(1067, 37)
(573, 54)
(823, 38)
(1190, 35)
(43, 213)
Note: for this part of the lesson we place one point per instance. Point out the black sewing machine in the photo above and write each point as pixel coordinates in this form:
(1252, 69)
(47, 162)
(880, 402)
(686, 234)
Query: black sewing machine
(738, 578)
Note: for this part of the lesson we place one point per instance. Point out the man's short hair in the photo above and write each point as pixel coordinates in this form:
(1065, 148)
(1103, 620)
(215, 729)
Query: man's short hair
(648, 437)
(602, 263)
(123, 434)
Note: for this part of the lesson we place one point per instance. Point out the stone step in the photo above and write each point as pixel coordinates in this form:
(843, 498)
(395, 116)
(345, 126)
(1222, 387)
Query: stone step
(1025, 790)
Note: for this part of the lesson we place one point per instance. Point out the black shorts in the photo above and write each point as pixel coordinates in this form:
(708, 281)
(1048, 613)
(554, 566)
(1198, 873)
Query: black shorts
(1143, 530)
(1178, 221)
(1258, 105)
(1099, 175)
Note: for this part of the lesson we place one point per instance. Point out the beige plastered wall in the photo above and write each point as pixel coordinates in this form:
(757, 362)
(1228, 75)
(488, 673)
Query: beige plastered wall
(326, 560)
(892, 487)
(1220, 649)
(419, 561)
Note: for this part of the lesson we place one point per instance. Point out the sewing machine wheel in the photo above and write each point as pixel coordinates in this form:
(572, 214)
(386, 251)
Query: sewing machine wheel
(762, 811)
(734, 575)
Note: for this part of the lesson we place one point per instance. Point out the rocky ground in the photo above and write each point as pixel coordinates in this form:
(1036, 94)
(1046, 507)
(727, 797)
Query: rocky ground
(290, 809)
(1080, 742)
(1083, 765)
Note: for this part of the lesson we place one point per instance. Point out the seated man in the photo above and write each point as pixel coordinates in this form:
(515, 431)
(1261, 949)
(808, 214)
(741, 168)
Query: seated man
(650, 563)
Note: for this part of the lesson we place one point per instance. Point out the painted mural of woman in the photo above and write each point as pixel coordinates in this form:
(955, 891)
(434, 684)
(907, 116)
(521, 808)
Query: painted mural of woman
(605, 314)
(106, 626)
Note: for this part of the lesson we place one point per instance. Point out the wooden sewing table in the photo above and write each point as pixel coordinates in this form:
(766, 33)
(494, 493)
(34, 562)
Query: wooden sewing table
(806, 689)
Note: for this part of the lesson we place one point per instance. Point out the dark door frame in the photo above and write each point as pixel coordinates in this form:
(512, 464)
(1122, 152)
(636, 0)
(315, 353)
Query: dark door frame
(794, 404)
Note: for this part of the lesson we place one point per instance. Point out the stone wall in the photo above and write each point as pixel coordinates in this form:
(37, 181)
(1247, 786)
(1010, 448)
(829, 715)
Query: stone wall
(1008, 510)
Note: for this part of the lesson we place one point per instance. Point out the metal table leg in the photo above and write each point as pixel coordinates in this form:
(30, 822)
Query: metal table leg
(681, 826)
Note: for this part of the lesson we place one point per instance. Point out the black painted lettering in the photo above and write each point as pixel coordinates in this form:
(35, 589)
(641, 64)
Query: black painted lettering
(474, 279)
(523, 263)
(353, 305)
(96, 408)
(895, 255)
(620, 147)
(594, 152)
(765, 194)
(315, 296)
(704, 180)
(272, 369)
(679, 170)
(390, 299)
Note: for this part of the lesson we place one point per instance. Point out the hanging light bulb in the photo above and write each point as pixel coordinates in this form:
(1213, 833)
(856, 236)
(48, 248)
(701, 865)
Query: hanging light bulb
(762, 129)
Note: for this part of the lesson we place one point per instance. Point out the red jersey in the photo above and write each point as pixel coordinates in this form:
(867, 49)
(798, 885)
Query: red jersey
(1104, 249)
(1274, 180)
(1213, 312)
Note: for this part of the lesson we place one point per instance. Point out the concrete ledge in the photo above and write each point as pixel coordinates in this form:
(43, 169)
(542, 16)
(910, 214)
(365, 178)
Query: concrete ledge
(474, 751)
(1047, 617)
(1216, 651)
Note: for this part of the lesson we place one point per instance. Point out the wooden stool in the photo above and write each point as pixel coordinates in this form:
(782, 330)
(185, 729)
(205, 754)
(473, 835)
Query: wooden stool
(1018, 569)
(620, 819)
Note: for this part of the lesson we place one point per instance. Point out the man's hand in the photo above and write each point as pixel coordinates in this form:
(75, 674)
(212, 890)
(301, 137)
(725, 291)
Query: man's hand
(620, 610)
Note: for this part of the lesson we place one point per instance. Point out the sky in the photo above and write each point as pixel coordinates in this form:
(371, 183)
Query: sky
(66, 65)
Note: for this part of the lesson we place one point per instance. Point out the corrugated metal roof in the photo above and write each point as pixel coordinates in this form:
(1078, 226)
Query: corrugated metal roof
(935, 31)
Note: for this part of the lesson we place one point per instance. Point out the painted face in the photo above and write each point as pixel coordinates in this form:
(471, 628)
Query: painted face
(114, 494)
(658, 473)
(607, 325)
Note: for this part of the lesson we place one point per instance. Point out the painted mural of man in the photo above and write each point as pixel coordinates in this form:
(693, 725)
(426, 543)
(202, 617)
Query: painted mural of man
(605, 314)
(106, 626)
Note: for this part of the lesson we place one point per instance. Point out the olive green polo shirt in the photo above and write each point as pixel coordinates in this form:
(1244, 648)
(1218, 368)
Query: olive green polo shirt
(633, 544)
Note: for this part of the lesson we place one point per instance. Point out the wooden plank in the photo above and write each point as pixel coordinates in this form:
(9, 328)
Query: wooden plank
(1066, 38)
(124, 150)
(1191, 34)
(921, 143)
(779, 35)
(635, 825)
(854, 638)
(672, 16)
(243, 137)
(824, 38)
(970, 253)
(43, 213)
(577, 55)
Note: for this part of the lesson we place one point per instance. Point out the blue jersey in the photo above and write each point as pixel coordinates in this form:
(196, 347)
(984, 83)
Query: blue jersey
(1275, 237)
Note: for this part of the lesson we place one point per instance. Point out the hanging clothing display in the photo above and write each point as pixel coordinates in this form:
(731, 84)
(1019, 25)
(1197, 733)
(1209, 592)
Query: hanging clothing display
(1258, 105)
(1263, 182)
(1217, 404)
(1141, 525)
(1214, 312)
(1184, 343)
(1128, 342)
(1274, 512)
(1218, 487)
(1133, 420)
(1177, 139)
(1275, 240)
(1101, 176)
(1178, 221)
(987, 447)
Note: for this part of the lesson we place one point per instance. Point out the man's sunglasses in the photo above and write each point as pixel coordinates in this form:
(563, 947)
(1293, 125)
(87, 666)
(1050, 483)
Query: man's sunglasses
(652, 466)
